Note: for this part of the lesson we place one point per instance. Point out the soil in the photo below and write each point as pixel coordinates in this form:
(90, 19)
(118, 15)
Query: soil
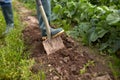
(74, 62)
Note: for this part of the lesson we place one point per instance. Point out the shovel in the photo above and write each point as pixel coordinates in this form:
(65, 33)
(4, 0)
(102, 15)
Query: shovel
(51, 45)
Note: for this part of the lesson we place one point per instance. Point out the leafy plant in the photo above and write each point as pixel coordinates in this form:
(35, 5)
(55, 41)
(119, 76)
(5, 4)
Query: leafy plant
(106, 2)
(88, 64)
(94, 24)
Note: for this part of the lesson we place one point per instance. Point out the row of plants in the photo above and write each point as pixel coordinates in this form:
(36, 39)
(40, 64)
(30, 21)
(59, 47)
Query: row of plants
(14, 60)
(115, 3)
(93, 24)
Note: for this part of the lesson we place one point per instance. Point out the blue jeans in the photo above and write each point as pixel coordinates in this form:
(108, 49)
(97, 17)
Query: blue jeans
(47, 7)
(8, 14)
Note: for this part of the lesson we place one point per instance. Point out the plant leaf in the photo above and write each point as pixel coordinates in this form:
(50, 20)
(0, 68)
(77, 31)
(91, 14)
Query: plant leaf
(113, 18)
(93, 36)
(101, 32)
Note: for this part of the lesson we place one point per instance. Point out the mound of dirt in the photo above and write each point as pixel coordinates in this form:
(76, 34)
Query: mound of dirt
(74, 62)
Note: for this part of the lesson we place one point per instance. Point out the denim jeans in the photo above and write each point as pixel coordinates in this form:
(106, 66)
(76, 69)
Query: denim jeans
(8, 14)
(47, 7)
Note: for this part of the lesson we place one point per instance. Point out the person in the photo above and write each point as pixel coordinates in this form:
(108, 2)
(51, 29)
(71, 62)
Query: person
(6, 6)
(47, 8)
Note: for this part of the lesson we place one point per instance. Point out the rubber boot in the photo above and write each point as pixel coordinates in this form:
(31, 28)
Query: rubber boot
(8, 15)
(47, 7)
(54, 33)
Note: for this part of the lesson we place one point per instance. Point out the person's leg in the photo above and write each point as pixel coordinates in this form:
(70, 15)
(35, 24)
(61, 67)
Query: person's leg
(8, 15)
(47, 7)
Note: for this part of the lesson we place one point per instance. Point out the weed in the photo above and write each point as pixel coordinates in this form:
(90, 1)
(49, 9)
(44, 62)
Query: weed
(84, 69)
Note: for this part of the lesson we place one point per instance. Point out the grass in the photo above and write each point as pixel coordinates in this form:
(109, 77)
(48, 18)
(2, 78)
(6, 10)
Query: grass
(13, 65)
(29, 4)
(115, 66)
(2, 23)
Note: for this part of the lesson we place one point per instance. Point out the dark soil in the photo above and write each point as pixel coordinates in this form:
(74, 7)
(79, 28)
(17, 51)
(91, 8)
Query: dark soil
(64, 64)
(74, 62)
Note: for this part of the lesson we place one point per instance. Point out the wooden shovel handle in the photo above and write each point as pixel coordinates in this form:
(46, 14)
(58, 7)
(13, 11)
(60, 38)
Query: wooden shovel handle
(39, 3)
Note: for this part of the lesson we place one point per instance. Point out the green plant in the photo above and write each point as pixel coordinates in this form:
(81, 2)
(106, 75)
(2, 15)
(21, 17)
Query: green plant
(94, 24)
(42, 75)
(115, 66)
(106, 2)
(84, 69)
(99, 26)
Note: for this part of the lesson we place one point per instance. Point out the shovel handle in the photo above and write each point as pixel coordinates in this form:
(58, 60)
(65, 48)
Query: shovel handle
(39, 3)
